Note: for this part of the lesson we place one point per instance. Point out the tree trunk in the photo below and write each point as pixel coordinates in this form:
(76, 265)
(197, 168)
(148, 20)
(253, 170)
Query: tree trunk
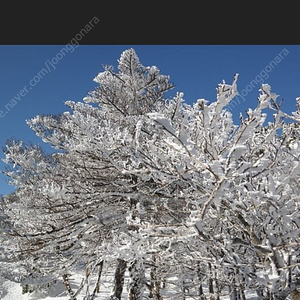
(211, 283)
(137, 280)
(218, 289)
(200, 278)
(155, 284)
(68, 287)
(119, 278)
(97, 287)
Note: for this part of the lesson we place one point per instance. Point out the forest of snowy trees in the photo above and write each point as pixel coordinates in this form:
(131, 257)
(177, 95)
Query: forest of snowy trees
(176, 195)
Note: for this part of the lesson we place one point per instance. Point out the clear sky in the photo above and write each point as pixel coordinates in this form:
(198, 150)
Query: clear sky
(37, 79)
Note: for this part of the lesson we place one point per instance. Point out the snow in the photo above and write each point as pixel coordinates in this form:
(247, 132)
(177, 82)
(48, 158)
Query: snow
(162, 120)
(14, 292)
(56, 292)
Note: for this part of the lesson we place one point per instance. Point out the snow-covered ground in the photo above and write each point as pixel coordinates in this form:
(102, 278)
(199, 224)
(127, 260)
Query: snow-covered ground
(13, 291)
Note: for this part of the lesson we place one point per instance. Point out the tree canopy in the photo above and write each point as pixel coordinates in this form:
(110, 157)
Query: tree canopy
(163, 188)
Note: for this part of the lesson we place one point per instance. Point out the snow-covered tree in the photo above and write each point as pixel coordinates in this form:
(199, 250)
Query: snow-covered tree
(176, 194)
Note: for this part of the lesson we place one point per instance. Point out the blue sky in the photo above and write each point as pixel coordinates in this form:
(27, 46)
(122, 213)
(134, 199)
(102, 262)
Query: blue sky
(37, 79)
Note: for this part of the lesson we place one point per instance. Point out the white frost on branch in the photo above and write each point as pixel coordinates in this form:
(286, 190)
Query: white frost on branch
(167, 187)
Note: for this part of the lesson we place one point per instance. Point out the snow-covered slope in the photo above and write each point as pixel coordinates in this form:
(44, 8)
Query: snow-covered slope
(14, 292)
